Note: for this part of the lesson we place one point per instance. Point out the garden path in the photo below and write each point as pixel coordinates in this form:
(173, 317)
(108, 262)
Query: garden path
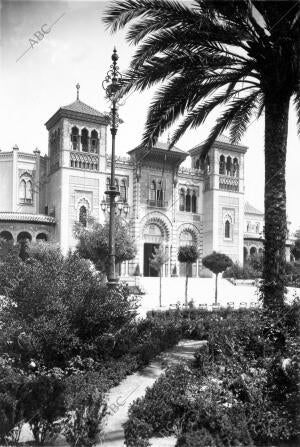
(121, 397)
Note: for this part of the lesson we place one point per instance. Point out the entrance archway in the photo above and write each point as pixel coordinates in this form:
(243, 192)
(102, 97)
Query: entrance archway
(153, 236)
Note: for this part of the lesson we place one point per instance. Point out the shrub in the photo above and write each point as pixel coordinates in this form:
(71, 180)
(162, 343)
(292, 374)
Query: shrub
(238, 272)
(137, 433)
(44, 404)
(11, 409)
(162, 406)
(84, 426)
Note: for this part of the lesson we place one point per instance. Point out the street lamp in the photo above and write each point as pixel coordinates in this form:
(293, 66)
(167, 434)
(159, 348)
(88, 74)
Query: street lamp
(121, 207)
(112, 85)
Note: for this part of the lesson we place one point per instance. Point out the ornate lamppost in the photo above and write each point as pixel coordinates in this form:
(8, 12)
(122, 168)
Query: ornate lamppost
(112, 85)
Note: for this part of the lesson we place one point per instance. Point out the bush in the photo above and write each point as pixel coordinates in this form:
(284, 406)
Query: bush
(161, 408)
(84, 426)
(238, 272)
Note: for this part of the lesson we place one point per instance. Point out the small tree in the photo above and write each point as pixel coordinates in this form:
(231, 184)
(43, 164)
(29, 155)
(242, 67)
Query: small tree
(187, 254)
(295, 250)
(93, 243)
(217, 263)
(159, 258)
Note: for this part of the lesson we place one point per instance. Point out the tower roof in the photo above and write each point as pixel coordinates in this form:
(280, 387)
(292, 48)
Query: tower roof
(221, 142)
(251, 210)
(78, 110)
(159, 151)
(81, 107)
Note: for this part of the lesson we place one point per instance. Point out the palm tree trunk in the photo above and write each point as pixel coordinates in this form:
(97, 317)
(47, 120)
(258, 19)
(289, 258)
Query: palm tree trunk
(276, 128)
(216, 290)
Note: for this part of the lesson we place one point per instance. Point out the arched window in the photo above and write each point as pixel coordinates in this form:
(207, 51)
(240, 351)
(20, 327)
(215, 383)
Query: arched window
(123, 192)
(85, 140)
(25, 191)
(41, 237)
(22, 191)
(227, 229)
(222, 165)
(181, 200)
(94, 141)
(188, 201)
(7, 236)
(228, 166)
(159, 192)
(74, 138)
(235, 167)
(253, 251)
(24, 236)
(83, 215)
(153, 190)
(28, 191)
(187, 238)
(194, 202)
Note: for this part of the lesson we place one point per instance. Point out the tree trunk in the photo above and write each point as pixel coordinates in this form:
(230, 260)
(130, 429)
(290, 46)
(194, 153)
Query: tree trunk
(186, 284)
(216, 290)
(160, 288)
(276, 128)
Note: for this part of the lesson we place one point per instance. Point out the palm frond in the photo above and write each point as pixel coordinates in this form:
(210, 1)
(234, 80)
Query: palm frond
(200, 113)
(242, 117)
(121, 12)
(182, 94)
(228, 117)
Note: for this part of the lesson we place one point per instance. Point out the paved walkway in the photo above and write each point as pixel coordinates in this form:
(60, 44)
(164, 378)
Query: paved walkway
(121, 397)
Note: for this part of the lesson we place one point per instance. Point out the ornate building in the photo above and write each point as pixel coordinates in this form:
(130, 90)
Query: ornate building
(163, 202)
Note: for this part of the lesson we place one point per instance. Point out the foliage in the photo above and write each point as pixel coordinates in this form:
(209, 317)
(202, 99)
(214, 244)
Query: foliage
(295, 249)
(238, 272)
(188, 254)
(93, 243)
(158, 258)
(240, 62)
(58, 307)
(84, 426)
(217, 262)
(241, 389)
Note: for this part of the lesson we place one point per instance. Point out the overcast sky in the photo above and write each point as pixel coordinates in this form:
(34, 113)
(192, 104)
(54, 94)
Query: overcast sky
(77, 48)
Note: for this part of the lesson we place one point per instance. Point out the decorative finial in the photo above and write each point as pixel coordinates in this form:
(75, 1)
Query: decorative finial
(168, 141)
(115, 56)
(78, 88)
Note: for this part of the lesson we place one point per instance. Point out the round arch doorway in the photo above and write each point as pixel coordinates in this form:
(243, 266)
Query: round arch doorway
(153, 236)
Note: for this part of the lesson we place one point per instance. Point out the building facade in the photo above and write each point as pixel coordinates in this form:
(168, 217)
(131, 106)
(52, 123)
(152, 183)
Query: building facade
(163, 201)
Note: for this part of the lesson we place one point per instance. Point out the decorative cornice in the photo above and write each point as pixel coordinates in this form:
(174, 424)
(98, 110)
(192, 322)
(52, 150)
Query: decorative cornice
(26, 217)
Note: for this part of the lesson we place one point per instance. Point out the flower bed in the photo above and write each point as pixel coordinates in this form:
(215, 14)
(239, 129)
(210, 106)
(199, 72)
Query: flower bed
(241, 391)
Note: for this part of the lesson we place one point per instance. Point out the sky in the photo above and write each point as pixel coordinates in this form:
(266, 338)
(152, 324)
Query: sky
(47, 47)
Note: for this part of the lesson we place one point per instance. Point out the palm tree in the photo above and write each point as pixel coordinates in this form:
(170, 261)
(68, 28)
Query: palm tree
(241, 55)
